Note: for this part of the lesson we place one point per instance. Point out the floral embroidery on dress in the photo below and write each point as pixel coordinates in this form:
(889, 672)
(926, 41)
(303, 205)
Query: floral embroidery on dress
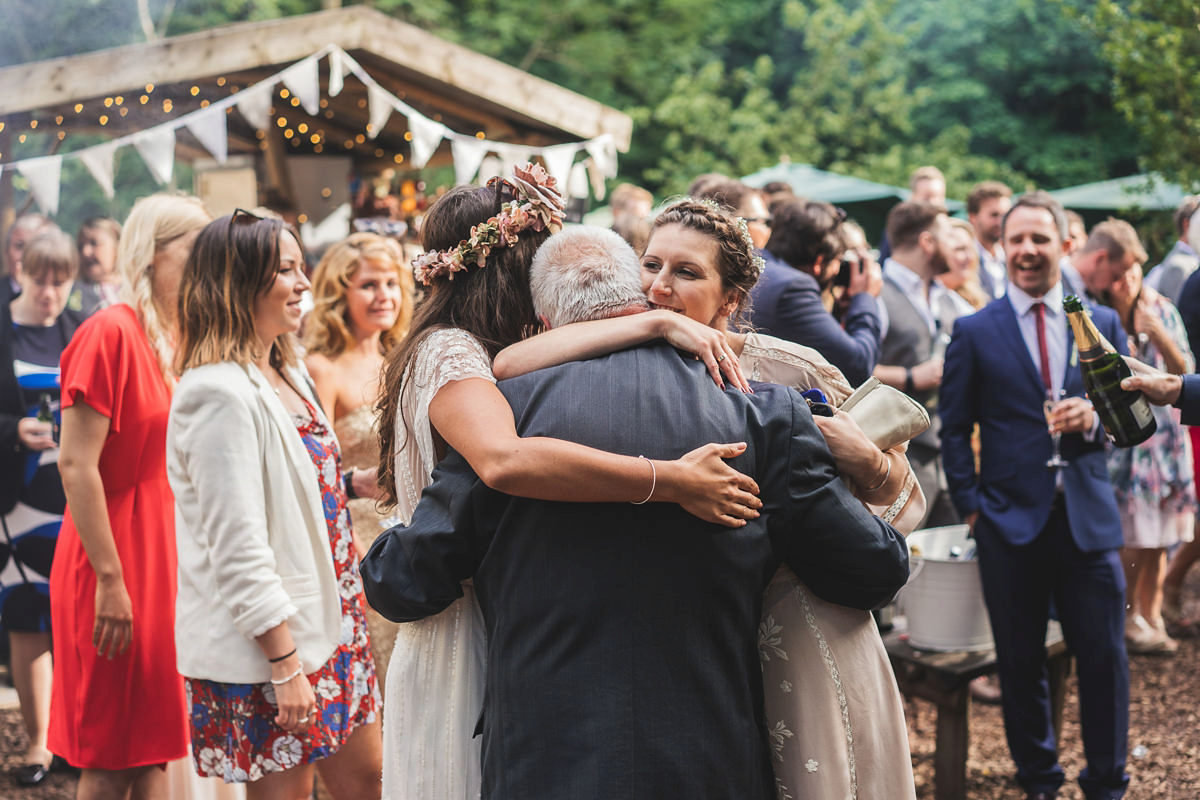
(770, 638)
(781, 791)
(786, 686)
(778, 734)
(840, 689)
(810, 765)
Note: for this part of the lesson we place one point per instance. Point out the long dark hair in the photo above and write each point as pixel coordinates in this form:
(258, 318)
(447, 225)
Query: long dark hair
(492, 303)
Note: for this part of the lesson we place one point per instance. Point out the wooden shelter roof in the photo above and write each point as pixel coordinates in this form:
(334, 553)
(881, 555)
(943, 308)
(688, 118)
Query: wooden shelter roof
(125, 89)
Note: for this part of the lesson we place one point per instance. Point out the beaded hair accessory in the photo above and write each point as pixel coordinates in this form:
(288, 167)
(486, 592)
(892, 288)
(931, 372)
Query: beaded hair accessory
(538, 205)
(756, 261)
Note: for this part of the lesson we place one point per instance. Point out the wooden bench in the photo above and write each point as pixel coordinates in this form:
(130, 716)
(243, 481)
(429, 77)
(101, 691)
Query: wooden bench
(944, 679)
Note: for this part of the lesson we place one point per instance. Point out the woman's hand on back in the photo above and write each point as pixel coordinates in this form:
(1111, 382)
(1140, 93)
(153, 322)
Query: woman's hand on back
(712, 490)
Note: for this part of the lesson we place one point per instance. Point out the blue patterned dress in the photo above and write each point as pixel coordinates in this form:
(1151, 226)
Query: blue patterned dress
(1153, 481)
(234, 735)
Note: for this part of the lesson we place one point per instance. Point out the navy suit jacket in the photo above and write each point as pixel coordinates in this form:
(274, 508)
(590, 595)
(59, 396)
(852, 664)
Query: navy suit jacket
(989, 378)
(622, 639)
(787, 303)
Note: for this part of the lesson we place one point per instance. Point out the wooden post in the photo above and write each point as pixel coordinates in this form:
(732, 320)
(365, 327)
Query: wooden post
(8, 213)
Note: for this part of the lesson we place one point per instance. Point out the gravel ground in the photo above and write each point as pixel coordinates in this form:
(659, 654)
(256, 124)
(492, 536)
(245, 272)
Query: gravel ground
(1164, 745)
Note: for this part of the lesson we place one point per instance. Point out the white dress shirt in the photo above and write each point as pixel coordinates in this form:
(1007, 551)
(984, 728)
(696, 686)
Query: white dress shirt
(913, 287)
(1056, 338)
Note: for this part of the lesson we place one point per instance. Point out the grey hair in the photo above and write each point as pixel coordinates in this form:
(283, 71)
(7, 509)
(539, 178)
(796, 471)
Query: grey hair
(585, 273)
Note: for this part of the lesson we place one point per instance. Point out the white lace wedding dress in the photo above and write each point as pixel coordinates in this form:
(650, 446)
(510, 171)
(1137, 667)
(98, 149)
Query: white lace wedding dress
(434, 684)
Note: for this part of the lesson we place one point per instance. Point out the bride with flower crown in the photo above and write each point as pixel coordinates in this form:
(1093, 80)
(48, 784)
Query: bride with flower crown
(439, 393)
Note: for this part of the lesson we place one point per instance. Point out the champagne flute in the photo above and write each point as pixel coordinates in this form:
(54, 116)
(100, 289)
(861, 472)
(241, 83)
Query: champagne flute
(1053, 399)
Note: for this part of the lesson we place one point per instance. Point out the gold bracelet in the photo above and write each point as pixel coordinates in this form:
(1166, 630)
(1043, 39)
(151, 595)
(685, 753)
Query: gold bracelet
(887, 474)
(653, 483)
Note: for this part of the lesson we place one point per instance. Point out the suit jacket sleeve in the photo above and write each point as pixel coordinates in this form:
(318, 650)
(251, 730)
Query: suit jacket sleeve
(828, 538)
(854, 350)
(1189, 400)
(957, 402)
(415, 571)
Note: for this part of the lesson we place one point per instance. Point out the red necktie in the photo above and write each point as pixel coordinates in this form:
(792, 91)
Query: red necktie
(1039, 311)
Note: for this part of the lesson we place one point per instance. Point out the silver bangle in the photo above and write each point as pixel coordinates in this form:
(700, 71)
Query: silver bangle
(653, 483)
(887, 474)
(299, 671)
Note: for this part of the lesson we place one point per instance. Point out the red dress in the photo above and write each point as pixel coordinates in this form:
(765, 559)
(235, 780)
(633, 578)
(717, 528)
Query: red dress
(128, 711)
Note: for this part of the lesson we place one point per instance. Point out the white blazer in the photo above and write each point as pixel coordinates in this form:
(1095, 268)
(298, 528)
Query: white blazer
(253, 544)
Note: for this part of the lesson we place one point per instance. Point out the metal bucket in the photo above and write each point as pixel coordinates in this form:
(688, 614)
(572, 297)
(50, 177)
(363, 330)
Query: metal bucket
(943, 598)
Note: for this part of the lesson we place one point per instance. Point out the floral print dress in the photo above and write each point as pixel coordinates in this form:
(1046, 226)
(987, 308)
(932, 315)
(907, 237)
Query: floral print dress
(1153, 481)
(234, 735)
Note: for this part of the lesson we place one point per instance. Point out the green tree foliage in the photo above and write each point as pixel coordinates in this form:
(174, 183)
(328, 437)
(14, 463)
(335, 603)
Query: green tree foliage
(1154, 49)
(1008, 89)
(1025, 80)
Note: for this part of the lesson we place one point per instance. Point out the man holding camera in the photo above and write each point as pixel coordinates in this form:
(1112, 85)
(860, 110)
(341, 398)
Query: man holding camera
(804, 255)
(913, 340)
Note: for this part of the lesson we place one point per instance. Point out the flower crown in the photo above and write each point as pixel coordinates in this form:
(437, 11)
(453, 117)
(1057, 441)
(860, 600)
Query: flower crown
(538, 205)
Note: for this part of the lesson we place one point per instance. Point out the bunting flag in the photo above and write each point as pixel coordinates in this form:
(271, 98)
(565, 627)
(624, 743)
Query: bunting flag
(468, 155)
(209, 125)
(337, 72)
(558, 162)
(99, 162)
(426, 136)
(380, 103)
(45, 176)
(596, 175)
(603, 151)
(156, 146)
(254, 104)
(511, 155)
(303, 81)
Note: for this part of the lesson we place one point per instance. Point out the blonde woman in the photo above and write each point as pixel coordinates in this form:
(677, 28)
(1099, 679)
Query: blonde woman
(962, 259)
(117, 707)
(363, 295)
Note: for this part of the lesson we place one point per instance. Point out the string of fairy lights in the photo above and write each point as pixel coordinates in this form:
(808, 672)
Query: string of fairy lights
(297, 133)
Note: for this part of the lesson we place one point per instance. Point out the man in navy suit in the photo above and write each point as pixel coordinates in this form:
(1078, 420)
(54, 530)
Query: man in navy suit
(801, 259)
(1045, 536)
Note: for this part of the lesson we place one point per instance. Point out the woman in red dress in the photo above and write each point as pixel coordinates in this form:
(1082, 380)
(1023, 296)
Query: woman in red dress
(117, 709)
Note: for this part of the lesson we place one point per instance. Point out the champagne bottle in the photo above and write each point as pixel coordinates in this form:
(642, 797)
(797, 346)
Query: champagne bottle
(1125, 415)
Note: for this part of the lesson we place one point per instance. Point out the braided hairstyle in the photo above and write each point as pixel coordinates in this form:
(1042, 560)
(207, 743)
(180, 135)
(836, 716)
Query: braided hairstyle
(737, 262)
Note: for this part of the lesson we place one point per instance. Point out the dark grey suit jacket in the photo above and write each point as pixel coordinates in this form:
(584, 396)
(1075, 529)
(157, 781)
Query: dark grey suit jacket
(622, 639)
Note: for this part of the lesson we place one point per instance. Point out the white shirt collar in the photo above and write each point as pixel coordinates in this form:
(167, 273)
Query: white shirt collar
(1022, 302)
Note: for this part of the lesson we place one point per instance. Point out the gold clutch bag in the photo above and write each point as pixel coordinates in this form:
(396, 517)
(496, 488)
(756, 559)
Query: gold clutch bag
(888, 416)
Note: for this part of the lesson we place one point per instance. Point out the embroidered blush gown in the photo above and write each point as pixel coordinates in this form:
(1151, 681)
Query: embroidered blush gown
(834, 715)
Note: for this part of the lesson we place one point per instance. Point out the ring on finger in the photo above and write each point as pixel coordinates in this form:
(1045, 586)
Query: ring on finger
(720, 358)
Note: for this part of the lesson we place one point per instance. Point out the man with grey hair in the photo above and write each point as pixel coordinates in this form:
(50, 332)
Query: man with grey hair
(585, 273)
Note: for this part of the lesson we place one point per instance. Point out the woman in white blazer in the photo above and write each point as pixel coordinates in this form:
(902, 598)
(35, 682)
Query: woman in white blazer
(270, 628)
